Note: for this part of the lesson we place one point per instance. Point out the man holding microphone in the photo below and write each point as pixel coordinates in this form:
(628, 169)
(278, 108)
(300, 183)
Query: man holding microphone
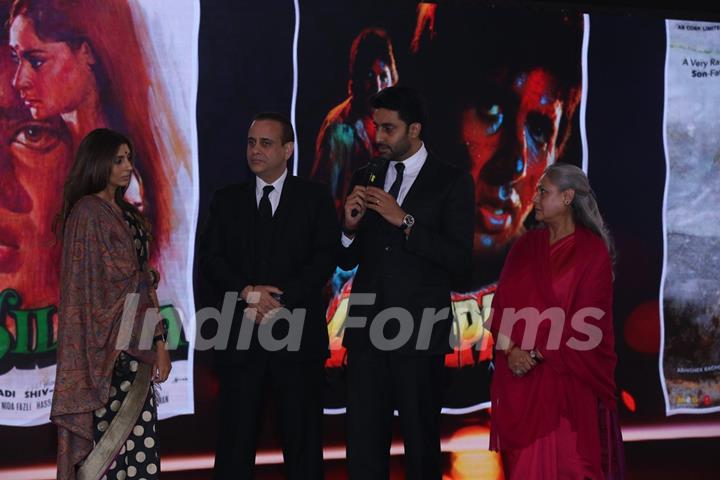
(409, 231)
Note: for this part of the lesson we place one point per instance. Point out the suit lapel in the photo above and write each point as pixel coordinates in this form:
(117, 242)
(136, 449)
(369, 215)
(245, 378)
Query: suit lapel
(249, 216)
(420, 184)
(287, 200)
(380, 182)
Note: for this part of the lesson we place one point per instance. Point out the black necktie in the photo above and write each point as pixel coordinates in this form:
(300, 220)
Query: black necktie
(263, 235)
(395, 187)
(265, 209)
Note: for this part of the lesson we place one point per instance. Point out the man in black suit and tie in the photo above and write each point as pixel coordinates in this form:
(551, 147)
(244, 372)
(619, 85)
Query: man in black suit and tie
(273, 240)
(409, 236)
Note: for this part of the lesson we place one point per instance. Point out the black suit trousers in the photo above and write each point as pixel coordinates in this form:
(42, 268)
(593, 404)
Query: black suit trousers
(379, 383)
(296, 387)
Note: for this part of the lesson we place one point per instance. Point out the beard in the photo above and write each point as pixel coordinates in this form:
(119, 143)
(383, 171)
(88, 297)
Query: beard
(394, 152)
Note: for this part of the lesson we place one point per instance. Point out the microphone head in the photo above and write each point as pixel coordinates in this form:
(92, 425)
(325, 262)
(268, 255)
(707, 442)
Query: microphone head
(375, 166)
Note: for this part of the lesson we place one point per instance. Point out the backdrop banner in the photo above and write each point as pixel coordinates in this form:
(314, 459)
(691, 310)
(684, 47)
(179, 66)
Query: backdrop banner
(690, 353)
(145, 85)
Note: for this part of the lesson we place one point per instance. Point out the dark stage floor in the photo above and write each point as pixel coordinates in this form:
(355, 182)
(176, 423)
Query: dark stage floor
(696, 459)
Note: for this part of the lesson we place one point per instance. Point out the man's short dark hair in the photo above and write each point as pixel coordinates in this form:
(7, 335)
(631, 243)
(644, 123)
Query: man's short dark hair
(288, 134)
(405, 100)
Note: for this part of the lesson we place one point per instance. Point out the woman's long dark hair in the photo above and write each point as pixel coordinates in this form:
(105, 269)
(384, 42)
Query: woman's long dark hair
(90, 173)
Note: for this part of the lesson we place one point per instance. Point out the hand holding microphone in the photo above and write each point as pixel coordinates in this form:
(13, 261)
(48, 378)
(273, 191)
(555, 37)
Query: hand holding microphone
(355, 207)
(356, 202)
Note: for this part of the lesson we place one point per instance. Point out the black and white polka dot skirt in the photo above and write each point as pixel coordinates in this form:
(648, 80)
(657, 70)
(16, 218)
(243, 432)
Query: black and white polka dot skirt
(138, 458)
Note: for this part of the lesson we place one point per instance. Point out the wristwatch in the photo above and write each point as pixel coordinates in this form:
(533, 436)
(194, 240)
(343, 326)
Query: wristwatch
(407, 222)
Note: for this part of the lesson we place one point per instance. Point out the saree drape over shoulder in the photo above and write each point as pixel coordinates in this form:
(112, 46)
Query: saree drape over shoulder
(572, 392)
(99, 270)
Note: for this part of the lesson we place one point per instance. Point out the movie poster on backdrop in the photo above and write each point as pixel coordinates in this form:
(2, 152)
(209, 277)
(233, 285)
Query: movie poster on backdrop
(503, 89)
(144, 84)
(690, 293)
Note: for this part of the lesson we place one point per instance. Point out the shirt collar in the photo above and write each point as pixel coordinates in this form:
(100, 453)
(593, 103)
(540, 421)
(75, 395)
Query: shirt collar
(413, 163)
(277, 184)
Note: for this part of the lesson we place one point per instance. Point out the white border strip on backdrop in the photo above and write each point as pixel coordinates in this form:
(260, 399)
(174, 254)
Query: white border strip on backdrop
(583, 98)
(293, 105)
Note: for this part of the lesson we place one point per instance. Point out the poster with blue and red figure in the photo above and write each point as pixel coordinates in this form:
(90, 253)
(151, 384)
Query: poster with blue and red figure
(503, 89)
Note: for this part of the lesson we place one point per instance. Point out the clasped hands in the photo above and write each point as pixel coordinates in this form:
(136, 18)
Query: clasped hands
(520, 362)
(363, 198)
(261, 303)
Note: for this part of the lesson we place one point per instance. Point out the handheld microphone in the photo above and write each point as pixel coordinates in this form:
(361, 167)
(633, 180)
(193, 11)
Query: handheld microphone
(374, 167)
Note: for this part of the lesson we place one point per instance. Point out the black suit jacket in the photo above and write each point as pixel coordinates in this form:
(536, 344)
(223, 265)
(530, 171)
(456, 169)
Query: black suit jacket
(414, 273)
(303, 256)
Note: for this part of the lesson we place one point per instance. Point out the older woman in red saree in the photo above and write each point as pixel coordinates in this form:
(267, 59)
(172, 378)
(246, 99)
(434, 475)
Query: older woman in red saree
(109, 351)
(554, 414)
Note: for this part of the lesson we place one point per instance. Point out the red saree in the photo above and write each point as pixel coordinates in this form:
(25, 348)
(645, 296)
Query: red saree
(549, 423)
(99, 269)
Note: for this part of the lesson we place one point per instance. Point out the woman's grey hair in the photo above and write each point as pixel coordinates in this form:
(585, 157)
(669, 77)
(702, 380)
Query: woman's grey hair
(584, 204)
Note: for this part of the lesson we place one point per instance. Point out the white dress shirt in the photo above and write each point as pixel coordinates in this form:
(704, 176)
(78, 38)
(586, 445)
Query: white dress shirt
(413, 165)
(274, 196)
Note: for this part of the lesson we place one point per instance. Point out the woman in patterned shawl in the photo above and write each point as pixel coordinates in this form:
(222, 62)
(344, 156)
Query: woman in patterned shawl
(111, 344)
